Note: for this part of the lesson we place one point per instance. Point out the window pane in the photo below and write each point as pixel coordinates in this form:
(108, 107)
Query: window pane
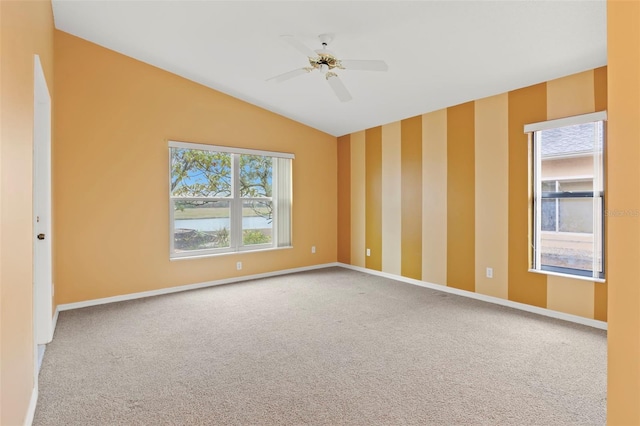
(198, 173)
(567, 250)
(569, 140)
(575, 215)
(257, 222)
(549, 219)
(567, 155)
(200, 225)
(256, 172)
(549, 186)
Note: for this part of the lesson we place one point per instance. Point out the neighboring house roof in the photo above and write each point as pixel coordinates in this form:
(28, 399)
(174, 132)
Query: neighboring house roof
(570, 140)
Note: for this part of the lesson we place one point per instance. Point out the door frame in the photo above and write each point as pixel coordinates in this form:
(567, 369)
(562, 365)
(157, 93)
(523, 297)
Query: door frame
(42, 249)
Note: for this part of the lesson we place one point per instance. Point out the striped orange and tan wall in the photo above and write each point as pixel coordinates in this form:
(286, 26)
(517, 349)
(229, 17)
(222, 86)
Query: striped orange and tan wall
(442, 196)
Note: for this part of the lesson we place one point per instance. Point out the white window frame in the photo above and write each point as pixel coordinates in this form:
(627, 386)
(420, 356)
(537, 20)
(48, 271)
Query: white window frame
(536, 199)
(281, 237)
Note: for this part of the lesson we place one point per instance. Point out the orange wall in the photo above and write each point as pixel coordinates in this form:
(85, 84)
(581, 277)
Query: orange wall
(623, 31)
(26, 29)
(461, 196)
(113, 119)
(344, 200)
(464, 172)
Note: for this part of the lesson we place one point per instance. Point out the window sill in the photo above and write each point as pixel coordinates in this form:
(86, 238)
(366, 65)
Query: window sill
(575, 277)
(202, 256)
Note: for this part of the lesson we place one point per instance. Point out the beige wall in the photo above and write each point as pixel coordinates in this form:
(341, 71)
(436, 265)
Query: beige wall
(391, 191)
(492, 195)
(113, 119)
(26, 29)
(434, 201)
(358, 198)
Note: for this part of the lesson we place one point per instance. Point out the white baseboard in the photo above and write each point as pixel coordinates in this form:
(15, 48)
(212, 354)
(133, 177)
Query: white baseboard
(132, 296)
(478, 296)
(485, 298)
(31, 411)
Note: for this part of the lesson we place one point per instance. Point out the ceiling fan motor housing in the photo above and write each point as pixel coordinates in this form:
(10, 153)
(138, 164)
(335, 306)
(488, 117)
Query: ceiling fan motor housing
(325, 58)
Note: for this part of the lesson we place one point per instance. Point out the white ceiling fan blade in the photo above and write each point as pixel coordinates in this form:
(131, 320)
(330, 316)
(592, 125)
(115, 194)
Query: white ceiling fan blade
(299, 46)
(287, 75)
(364, 65)
(339, 88)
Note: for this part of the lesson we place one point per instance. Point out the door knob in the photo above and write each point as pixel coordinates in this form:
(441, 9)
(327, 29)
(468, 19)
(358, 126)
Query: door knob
(41, 236)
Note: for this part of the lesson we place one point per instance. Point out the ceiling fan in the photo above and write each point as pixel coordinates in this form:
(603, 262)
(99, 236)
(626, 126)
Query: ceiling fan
(325, 61)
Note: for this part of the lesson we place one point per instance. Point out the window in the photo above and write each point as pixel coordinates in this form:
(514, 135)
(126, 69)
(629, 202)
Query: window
(568, 195)
(228, 200)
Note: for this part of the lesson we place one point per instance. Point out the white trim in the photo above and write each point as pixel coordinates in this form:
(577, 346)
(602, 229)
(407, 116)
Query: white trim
(250, 249)
(483, 297)
(567, 178)
(229, 149)
(54, 322)
(567, 121)
(537, 196)
(582, 154)
(132, 296)
(171, 209)
(41, 350)
(31, 411)
(574, 277)
(236, 218)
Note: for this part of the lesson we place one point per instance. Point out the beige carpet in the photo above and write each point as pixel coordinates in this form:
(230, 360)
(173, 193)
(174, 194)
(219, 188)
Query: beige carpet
(325, 347)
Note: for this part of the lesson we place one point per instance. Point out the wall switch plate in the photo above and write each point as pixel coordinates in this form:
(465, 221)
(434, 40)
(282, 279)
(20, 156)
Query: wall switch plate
(313, 249)
(368, 252)
(489, 272)
(239, 266)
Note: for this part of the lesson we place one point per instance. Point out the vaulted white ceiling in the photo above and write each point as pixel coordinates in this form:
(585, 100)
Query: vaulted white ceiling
(439, 53)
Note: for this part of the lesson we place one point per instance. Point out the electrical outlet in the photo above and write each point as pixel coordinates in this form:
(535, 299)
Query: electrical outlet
(313, 249)
(368, 252)
(489, 272)
(239, 266)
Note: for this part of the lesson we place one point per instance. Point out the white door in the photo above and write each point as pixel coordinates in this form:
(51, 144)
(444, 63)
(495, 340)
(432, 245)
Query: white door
(42, 264)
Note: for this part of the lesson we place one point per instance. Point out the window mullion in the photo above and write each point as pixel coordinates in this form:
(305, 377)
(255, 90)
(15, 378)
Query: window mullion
(275, 175)
(557, 205)
(236, 209)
